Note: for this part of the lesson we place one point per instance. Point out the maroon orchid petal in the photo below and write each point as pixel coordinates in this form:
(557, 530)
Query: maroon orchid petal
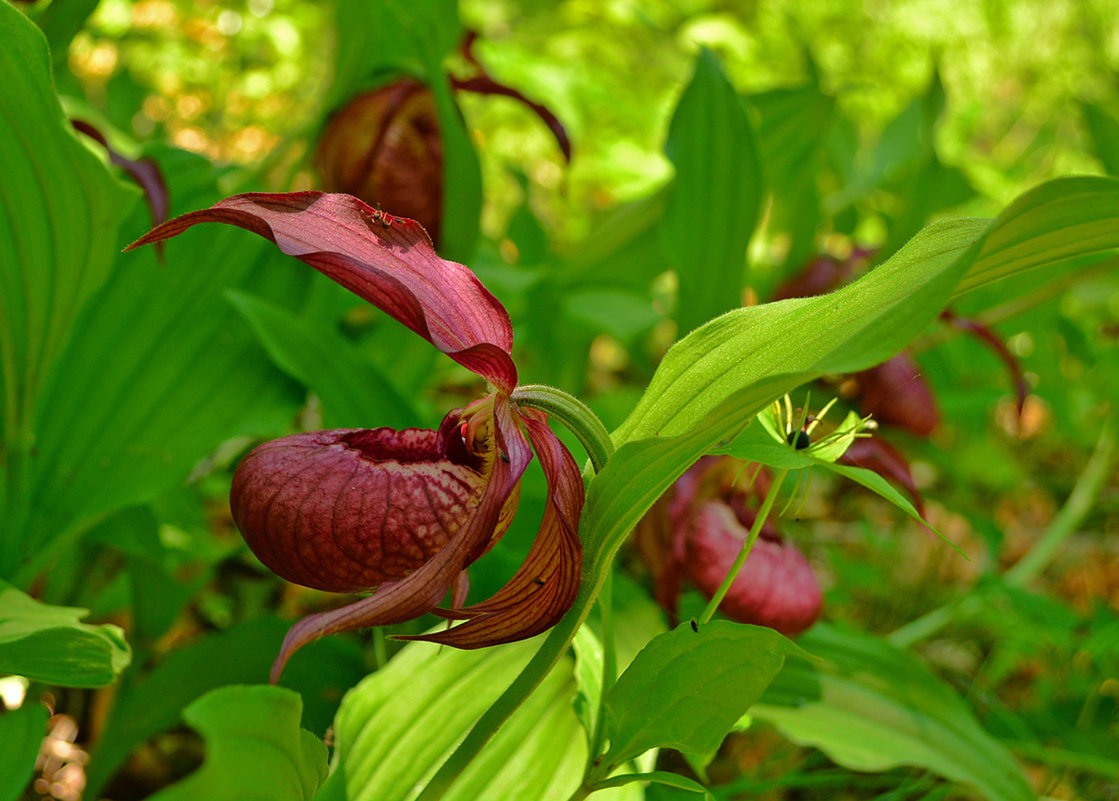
(389, 261)
(896, 394)
(420, 591)
(776, 586)
(545, 585)
(145, 172)
(991, 340)
(874, 453)
(821, 274)
(485, 85)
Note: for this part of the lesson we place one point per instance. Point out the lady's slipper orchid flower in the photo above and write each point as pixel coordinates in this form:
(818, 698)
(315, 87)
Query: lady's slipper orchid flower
(696, 532)
(404, 512)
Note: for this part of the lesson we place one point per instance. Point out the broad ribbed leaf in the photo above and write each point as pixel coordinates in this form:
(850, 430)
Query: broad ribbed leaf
(870, 706)
(870, 319)
(792, 132)
(353, 391)
(50, 643)
(58, 238)
(254, 748)
(161, 371)
(687, 688)
(393, 731)
(714, 200)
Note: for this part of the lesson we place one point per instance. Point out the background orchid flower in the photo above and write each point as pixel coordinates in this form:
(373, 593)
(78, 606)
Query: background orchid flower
(403, 512)
(696, 531)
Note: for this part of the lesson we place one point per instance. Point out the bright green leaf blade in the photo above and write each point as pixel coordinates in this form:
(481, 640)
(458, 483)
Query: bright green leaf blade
(871, 707)
(1057, 221)
(393, 731)
(354, 394)
(792, 129)
(713, 202)
(859, 325)
(254, 748)
(51, 645)
(58, 237)
(21, 731)
(687, 688)
(871, 319)
(60, 23)
(379, 36)
(878, 485)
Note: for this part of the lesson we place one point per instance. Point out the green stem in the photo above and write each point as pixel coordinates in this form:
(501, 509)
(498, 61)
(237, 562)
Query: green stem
(609, 669)
(747, 546)
(574, 414)
(1080, 501)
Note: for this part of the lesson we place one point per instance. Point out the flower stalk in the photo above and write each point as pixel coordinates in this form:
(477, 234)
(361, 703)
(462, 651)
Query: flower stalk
(755, 530)
(574, 414)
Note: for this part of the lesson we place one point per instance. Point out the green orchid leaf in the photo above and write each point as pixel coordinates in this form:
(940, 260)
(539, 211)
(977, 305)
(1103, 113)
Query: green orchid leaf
(393, 732)
(414, 40)
(871, 319)
(378, 36)
(62, 211)
(878, 485)
(254, 748)
(353, 391)
(1054, 223)
(713, 202)
(871, 706)
(50, 643)
(688, 687)
(588, 677)
(792, 134)
(160, 371)
(1103, 133)
(21, 731)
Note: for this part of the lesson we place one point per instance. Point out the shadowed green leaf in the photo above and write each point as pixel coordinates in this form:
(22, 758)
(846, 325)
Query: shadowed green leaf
(21, 731)
(51, 645)
(160, 371)
(871, 706)
(353, 391)
(58, 238)
(153, 704)
(254, 748)
(714, 200)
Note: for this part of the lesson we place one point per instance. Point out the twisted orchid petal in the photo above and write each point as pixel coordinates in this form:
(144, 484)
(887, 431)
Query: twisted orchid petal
(545, 585)
(386, 260)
